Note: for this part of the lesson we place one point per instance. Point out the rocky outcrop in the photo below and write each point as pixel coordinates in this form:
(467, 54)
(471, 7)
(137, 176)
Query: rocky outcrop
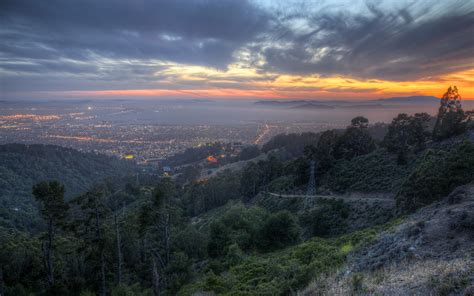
(442, 230)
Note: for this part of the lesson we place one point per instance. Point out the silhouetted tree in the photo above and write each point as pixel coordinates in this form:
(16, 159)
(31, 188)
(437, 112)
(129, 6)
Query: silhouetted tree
(355, 141)
(405, 133)
(50, 195)
(90, 226)
(251, 180)
(398, 136)
(450, 116)
(419, 128)
(219, 239)
(155, 224)
(324, 153)
(360, 122)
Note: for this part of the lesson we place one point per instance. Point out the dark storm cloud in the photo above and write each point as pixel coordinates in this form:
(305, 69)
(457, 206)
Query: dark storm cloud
(119, 44)
(393, 45)
(50, 66)
(203, 32)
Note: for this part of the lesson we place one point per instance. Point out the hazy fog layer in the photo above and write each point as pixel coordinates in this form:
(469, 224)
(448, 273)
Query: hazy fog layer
(218, 112)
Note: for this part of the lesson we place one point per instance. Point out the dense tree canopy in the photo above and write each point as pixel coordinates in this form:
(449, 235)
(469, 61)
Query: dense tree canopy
(355, 141)
(436, 174)
(22, 166)
(407, 133)
(293, 144)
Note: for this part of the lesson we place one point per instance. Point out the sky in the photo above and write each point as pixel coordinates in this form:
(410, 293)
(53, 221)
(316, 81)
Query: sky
(235, 49)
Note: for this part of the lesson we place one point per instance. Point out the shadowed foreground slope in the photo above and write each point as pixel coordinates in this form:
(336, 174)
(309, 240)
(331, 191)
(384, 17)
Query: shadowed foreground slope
(431, 253)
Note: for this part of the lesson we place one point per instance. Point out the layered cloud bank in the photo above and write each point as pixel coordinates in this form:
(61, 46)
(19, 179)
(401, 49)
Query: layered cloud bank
(235, 49)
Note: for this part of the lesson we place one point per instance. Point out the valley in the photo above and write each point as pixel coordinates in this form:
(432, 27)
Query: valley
(382, 216)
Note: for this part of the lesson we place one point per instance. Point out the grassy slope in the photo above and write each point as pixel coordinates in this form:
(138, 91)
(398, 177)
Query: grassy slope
(280, 272)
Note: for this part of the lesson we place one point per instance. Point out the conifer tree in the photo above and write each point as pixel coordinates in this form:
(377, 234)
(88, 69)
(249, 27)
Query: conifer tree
(450, 120)
(94, 211)
(155, 226)
(355, 141)
(50, 195)
(407, 133)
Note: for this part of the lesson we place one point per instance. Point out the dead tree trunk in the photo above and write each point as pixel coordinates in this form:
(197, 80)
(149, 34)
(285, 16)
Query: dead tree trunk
(155, 278)
(2, 284)
(119, 251)
(167, 238)
(103, 290)
(47, 259)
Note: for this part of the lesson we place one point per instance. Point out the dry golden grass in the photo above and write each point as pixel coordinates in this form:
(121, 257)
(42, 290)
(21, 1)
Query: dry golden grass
(428, 277)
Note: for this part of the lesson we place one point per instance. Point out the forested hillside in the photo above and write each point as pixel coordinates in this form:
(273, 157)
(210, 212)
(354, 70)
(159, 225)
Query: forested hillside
(380, 203)
(22, 166)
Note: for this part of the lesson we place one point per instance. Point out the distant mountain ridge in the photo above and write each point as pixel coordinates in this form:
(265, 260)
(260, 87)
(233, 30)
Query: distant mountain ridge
(281, 102)
(410, 99)
(313, 106)
(321, 104)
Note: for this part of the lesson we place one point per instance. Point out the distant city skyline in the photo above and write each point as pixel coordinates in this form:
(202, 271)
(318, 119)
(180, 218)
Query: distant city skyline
(223, 49)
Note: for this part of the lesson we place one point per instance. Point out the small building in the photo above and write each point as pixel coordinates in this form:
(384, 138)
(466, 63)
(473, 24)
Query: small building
(167, 171)
(212, 159)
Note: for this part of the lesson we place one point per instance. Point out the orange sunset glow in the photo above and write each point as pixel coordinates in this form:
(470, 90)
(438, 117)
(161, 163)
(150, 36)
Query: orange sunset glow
(320, 51)
(302, 87)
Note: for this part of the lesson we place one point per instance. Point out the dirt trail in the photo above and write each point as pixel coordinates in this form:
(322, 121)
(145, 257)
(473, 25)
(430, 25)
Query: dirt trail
(343, 197)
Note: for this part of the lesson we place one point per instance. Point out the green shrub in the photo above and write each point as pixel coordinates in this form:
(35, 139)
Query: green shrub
(282, 184)
(177, 271)
(219, 239)
(278, 231)
(278, 273)
(436, 175)
(374, 172)
(238, 225)
(192, 241)
(124, 290)
(281, 272)
(251, 229)
(234, 255)
(327, 219)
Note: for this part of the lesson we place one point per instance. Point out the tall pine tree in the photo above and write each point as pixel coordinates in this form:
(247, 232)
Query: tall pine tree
(50, 195)
(450, 121)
